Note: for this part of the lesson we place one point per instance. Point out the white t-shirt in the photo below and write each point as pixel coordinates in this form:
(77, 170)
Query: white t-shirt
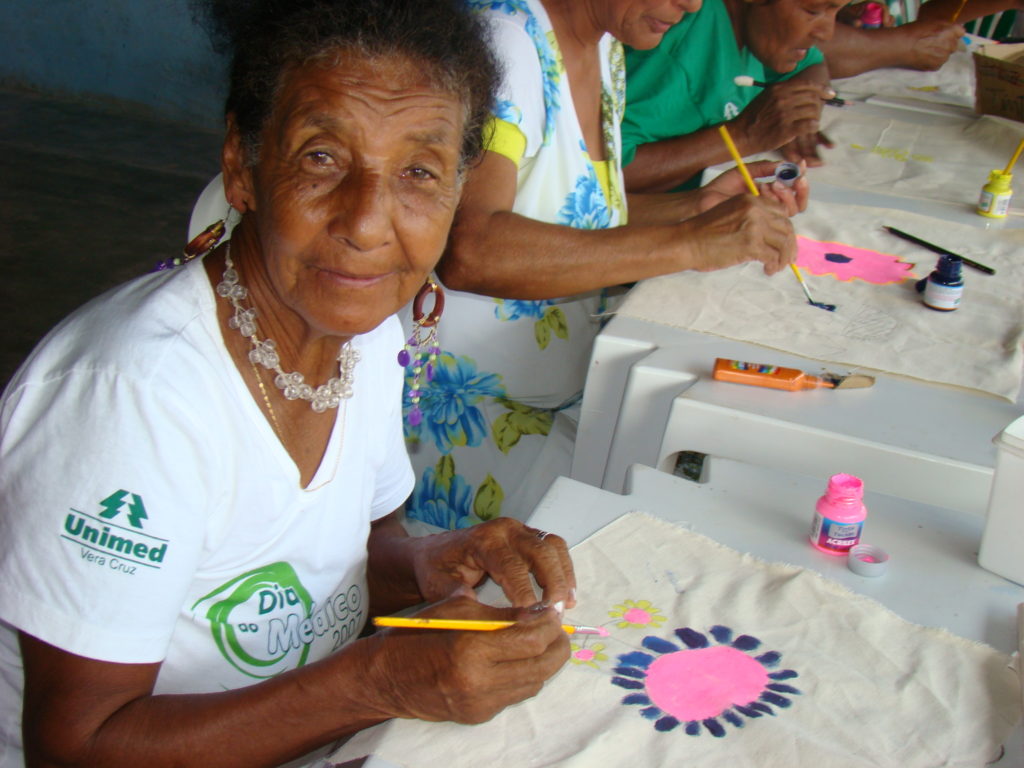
(148, 512)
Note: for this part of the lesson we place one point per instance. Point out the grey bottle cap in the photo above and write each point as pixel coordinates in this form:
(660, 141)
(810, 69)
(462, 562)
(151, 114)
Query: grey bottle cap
(867, 560)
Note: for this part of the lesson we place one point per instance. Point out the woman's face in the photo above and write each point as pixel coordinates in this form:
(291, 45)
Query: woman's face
(354, 190)
(642, 24)
(780, 32)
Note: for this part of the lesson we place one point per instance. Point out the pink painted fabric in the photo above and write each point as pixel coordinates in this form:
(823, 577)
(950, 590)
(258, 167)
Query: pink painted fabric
(848, 262)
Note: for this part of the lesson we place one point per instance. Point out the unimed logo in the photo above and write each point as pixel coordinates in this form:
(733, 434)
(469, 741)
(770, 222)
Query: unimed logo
(121, 548)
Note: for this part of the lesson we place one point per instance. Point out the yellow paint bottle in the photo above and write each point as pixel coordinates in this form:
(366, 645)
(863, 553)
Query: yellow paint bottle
(995, 195)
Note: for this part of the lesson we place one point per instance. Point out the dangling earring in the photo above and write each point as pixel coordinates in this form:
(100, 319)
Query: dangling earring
(422, 344)
(200, 245)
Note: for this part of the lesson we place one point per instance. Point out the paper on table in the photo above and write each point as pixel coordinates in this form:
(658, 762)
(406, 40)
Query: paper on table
(819, 676)
(884, 327)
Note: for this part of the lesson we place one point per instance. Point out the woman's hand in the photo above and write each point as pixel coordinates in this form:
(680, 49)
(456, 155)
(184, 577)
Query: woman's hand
(740, 229)
(466, 677)
(929, 44)
(504, 549)
(731, 183)
(781, 113)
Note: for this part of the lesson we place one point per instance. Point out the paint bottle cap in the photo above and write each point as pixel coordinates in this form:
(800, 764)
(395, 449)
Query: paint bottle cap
(867, 560)
(947, 268)
(871, 16)
(999, 182)
(787, 173)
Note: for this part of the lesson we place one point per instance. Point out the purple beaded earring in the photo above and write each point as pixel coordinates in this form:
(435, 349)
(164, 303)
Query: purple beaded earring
(422, 344)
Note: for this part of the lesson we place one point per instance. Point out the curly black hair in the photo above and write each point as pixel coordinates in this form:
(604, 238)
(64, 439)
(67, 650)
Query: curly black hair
(265, 38)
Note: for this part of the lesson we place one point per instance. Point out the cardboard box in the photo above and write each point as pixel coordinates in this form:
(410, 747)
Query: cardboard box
(999, 80)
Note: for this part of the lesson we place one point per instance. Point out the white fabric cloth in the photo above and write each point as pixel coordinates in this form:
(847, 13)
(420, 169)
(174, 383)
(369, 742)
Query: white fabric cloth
(952, 83)
(150, 514)
(884, 327)
(509, 366)
(839, 680)
(939, 157)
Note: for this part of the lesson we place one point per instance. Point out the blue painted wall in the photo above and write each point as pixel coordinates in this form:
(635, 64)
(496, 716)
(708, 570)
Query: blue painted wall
(143, 51)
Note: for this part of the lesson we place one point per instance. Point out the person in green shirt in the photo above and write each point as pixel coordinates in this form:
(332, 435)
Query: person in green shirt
(678, 93)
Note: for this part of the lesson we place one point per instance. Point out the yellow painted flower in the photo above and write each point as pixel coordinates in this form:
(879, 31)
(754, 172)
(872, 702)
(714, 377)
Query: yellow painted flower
(588, 655)
(637, 613)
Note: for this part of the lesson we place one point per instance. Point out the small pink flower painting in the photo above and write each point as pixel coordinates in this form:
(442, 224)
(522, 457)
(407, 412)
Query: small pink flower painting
(636, 613)
(589, 655)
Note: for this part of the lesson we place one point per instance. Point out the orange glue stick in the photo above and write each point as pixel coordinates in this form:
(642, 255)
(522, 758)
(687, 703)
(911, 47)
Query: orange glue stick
(761, 375)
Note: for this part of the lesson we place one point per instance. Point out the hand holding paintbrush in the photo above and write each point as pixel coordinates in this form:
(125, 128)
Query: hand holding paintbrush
(724, 131)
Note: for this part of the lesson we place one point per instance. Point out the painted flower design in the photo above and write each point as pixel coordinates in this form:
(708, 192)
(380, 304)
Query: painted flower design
(588, 655)
(442, 500)
(637, 613)
(449, 402)
(547, 54)
(701, 683)
(585, 206)
(515, 309)
(509, 112)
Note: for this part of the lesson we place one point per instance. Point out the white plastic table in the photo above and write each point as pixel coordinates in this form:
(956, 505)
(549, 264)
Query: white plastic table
(648, 395)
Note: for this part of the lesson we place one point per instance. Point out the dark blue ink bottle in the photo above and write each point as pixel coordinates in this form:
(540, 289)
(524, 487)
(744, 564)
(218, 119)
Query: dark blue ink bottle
(943, 288)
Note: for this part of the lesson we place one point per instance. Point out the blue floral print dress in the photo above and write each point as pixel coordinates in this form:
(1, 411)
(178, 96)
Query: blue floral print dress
(494, 434)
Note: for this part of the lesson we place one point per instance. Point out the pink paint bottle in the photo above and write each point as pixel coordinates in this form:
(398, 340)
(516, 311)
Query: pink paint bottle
(839, 515)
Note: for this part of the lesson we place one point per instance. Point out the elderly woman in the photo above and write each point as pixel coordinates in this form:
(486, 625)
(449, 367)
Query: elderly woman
(192, 540)
(679, 93)
(541, 230)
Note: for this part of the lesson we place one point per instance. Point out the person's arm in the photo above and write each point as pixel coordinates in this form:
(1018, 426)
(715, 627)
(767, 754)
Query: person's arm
(804, 146)
(943, 10)
(921, 45)
(778, 115)
(496, 252)
(83, 712)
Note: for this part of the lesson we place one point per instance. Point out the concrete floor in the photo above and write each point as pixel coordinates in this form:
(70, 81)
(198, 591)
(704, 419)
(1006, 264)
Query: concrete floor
(91, 194)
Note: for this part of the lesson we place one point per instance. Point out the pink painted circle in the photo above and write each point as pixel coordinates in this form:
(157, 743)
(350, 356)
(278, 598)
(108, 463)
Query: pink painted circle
(637, 616)
(584, 654)
(704, 682)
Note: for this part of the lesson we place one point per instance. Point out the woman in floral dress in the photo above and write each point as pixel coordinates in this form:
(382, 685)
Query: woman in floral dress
(540, 235)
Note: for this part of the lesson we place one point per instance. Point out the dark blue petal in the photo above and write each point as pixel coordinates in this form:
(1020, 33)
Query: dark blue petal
(761, 708)
(652, 713)
(692, 638)
(636, 698)
(624, 682)
(770, 659)
(780, 688)
(715, 727)
(733, 718)
(837, 258)
(773, 698)
(630, 672)
(667, 723)
(657, 644)
(721, 634)
(746, 643)
(748, 711)
(784, 674)
(636, 659)
(693, 728)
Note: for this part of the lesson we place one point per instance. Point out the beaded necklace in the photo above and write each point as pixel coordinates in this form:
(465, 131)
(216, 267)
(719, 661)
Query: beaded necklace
(292, 385)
